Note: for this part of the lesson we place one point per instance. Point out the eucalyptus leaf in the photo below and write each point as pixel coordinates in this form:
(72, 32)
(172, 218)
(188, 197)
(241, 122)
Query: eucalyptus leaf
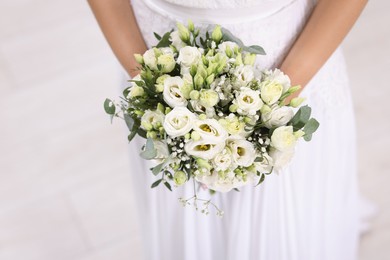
(156, 183)
(131, 136)
(150, 152)
(109, 106)
(262, 178)
(228, 36)
(157, 169)
(301, 117)
(129, 121)
(311, 126)
(255, 49)
(307, 138)
(168, 185)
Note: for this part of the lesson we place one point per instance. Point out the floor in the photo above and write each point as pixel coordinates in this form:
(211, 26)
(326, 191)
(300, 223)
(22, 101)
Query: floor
(64, 181)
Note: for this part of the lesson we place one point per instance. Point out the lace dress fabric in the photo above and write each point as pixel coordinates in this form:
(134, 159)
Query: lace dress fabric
(310, 210)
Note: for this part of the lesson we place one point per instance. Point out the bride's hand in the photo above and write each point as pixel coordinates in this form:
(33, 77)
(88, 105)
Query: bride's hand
(117, 21)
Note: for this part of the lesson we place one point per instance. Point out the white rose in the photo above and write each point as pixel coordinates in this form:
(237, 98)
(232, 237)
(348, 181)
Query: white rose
(189, 55)
(243, 151)
(278, 116)
(243, 75)
(176, 41)
(283, 138)
(204, 149)
(281, 158)
(150, 59)
(208, 97)
(152, 119)
(271, 91)
(278, 76)
(167, 62)
(178, 122)
(210, 130)
(248, 101)
(172, 93)
(223, 161)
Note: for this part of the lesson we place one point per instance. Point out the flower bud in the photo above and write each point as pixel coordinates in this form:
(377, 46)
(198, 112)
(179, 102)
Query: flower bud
(299, 134)
(265, 109)
(233, 108)
(193, 70)
(238, 61)
(151, 134)
(147, 125)
(136, 91)
(191, 25)
(184, 33)
(217, 34)
(198, 80)
(160, 107)
(167, 110)
(249, 59)
(139, 58)
(294, 89)
(180, 178)
(210, 79)
(202, 163)
(296, 102)
(195, 136)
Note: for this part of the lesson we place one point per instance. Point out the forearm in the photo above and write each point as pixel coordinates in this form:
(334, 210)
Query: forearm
(119, 26)
(326, 28)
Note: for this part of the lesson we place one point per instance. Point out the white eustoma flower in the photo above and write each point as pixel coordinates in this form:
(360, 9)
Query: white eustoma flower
(150, 59)
(178, 122)
(248, 101)
(208, 98)
(271, 91)
(243, 152)
(223, 160)
(152, 119)
(172, 93)
(278, 116)
(283, 138)
(244, 74)
(188, 56)
(204, 149)
(176, 41)
(210, 130)
(281, 158)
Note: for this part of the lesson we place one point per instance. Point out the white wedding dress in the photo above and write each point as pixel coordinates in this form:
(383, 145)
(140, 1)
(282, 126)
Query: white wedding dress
(307, 212)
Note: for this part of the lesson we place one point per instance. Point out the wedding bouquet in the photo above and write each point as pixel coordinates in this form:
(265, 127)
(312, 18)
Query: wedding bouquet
(208, 113)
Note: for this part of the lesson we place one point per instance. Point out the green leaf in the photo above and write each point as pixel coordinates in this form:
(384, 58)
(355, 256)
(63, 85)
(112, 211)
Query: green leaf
(131, 136)
(310, 127)
(255, 49)
(158, 168)
(149, 152)
(168, 185)
(301, 117)
(158, 37)
(262, 178)
(165, 41)
(141, 132)
(156, 183)
(228, 36)
(109, 106)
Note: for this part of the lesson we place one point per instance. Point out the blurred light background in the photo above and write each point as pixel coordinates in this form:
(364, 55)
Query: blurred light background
(64, 172)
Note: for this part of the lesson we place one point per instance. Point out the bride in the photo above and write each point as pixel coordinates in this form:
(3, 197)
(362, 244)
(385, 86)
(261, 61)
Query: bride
(310, 210)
